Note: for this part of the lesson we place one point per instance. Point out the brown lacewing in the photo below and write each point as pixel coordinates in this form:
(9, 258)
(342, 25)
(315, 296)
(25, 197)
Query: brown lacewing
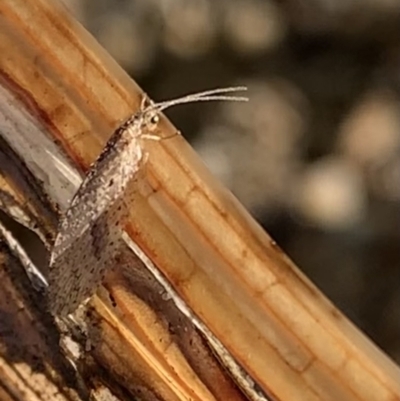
(89, 235)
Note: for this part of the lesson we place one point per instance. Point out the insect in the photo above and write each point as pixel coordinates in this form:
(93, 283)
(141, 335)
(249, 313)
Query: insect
(89, 233)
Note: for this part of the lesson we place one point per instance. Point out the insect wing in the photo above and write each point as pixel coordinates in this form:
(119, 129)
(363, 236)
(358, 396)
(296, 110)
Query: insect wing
(88, 236)
(79, 270)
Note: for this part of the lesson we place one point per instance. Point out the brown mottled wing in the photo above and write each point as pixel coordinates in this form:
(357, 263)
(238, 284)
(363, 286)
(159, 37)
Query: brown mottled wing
(77, 272)
(88, 236)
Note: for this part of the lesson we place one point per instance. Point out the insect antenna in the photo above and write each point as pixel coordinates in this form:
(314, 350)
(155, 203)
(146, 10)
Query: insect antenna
(206, 96)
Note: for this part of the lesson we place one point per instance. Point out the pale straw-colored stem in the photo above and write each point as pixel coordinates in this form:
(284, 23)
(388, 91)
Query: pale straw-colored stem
(232, 281)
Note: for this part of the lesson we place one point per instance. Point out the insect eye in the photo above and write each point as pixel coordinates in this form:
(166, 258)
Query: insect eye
(154, 119)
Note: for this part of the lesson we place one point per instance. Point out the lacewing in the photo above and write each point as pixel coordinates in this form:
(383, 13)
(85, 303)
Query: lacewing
(89, 233)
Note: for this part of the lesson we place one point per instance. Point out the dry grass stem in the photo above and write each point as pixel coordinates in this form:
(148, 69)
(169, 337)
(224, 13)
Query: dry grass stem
(222, 290)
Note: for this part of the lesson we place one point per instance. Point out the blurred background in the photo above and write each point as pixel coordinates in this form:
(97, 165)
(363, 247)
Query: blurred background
(315, 154)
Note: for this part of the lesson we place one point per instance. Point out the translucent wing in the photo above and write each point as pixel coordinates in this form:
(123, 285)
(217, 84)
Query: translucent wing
(79, 270)
(88, 236)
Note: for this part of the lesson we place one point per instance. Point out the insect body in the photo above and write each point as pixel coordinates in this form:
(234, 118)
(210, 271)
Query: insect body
(88, 237)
